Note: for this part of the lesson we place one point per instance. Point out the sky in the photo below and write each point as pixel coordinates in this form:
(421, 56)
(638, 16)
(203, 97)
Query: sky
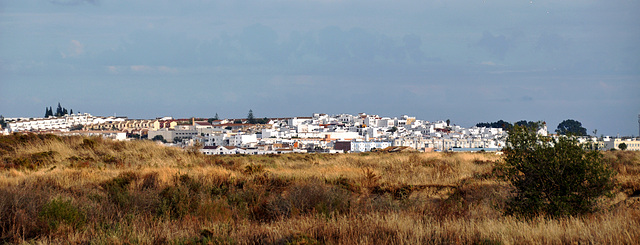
(468, 61)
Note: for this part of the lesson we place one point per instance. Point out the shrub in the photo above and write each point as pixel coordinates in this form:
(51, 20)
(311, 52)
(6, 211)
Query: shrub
(117, 188)
(180, 199)
(252, 169)
(553, 177)
(59, 211)
(176, 202)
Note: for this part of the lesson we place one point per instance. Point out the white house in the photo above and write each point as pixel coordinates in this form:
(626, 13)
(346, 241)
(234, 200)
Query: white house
(364, 146)
(219, 150)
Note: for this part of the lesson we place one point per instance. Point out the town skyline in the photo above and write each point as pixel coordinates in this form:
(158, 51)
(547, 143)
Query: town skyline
(318, 133)
(590, 131)
(551, 127)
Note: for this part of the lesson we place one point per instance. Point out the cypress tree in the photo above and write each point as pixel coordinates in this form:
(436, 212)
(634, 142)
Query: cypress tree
(59, 110)
(250, 118)
(48, 112)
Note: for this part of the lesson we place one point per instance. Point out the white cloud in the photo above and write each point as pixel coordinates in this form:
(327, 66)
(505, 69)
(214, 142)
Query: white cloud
(113, 69)
(76, 48)
(141, 68)
(167, 69)
(153, 69)
(488, 63)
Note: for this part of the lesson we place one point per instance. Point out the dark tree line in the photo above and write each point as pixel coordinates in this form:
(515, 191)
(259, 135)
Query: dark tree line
(508, 126)
(499, 124)
(566, 127)
(60, 111)
(253, 120)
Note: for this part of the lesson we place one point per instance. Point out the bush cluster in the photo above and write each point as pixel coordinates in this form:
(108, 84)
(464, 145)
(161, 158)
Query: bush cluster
(555, 177)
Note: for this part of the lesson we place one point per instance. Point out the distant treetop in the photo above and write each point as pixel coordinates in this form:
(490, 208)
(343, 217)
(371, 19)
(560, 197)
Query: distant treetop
(571, 127)
(499, 124)
(508, 126)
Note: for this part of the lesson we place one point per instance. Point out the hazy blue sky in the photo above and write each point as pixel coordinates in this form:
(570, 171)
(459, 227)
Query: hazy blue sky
(469, 60)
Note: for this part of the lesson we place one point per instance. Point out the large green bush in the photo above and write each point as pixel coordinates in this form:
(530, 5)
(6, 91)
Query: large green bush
(554, 177)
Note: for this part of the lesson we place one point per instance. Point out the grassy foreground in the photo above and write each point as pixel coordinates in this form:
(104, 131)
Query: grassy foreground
(88, 190)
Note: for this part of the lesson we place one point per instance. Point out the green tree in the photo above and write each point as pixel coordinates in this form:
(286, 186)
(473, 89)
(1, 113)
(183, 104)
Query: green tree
(499, 124)
(553, 177)
(571, 127)
(3, 124)
(250, 118)
(59, 111)
(213, 118)
(529, 124)
(622, 146)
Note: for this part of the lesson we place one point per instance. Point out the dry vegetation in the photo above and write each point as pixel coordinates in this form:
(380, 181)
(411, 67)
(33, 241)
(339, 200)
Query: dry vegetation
(78, 190)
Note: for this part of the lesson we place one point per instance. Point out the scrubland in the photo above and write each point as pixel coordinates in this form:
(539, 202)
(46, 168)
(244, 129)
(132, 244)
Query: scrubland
(88, 190)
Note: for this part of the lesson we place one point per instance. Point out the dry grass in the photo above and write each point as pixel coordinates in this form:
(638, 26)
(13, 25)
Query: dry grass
(77, 190)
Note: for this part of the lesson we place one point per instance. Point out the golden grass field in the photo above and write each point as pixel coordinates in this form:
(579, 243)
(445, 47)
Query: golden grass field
(57, 190)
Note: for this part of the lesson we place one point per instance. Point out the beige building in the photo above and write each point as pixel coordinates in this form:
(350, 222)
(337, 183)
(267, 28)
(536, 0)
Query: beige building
(134, 125)
(632, 144)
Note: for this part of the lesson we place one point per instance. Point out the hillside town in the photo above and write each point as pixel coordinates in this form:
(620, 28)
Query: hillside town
(319, 133)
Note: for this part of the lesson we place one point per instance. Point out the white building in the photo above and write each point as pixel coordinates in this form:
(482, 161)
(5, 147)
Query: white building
(364, 146)
(64, 123)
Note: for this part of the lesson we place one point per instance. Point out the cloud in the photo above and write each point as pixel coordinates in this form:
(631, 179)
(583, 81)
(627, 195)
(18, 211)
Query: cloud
(166, 69)
(488, 63)
(75, 49)
(113, 69)
(526, 98)
(153, 69)
(262, 47)
(551, 42)
(412, 44)
(496, 45)
(74, 2)
(141, 69)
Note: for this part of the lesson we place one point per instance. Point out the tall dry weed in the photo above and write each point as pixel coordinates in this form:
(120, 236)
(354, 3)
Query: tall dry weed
(141, 192)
